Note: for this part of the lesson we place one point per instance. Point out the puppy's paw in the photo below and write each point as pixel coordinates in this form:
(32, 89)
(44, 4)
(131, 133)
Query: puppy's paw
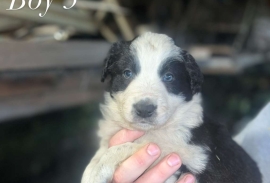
(103, 171)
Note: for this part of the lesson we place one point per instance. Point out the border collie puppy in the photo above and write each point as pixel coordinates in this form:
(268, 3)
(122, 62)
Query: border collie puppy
(155, 87)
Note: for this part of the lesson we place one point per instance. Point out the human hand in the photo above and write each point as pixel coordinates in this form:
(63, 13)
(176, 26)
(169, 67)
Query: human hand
(132, 169)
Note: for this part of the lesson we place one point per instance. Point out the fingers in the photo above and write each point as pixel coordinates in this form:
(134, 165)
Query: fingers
(124, 136)
(135, 165)
(162, 171)
(187, 179)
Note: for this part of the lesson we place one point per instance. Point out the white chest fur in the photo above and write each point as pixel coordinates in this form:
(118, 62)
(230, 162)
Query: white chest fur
(194, 157)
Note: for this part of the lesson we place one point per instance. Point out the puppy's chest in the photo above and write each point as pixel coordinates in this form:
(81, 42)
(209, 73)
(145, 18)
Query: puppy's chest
(166, 142)
(193, 156)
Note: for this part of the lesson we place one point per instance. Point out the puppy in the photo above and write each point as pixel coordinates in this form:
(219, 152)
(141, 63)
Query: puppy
(155, 87)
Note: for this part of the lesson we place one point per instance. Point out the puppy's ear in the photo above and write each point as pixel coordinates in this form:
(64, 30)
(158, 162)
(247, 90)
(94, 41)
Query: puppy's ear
(195, 74)
(115, 52)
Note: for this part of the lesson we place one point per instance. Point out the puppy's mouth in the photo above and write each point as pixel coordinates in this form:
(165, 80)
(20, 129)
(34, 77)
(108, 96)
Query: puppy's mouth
(143, 124)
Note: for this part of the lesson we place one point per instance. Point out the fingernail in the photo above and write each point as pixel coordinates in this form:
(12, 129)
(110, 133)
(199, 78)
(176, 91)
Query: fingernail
(173, 160)
(152, 149)
(189, 179)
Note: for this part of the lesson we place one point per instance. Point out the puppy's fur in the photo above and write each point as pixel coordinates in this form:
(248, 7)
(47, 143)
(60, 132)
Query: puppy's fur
(155, 87)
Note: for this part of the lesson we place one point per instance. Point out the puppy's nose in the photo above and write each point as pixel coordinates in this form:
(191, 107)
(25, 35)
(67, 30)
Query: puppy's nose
(145, 108)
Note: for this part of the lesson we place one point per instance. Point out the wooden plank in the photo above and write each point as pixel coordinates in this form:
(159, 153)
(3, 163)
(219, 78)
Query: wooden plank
(100, 6)
(40, 103)
(21, 84)
(8, 23)
(23, 94)
(42, 77)
(20, 56)
(221, 59)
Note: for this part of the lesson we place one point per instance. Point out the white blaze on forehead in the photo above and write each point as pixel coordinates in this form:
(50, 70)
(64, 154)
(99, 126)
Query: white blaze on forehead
(152, 49)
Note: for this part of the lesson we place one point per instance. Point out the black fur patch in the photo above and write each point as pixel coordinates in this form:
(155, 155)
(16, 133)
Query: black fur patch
(228, 162)
(117, 61)
(188, 78)
(194, 72)
(181, 82)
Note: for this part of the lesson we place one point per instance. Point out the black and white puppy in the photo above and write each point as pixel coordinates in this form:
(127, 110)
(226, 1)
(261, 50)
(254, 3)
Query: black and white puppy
(155, 87)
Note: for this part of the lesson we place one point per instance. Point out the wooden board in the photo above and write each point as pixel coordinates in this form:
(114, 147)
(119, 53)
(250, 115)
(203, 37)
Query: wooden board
(20, 56)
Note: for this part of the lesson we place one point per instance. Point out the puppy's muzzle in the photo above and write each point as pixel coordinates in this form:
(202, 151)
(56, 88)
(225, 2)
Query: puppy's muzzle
(145, 108)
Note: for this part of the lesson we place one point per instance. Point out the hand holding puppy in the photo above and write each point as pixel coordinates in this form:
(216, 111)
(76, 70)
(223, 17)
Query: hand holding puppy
(132, 169)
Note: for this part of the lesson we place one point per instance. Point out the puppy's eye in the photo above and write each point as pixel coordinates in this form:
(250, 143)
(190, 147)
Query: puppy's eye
(127, 74)
(168, 77)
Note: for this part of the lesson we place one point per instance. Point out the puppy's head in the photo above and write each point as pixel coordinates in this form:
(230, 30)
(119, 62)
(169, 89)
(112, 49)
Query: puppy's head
(149, 78)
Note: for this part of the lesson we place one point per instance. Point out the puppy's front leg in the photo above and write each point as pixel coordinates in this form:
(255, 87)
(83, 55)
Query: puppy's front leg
(103, 171)
(94, 161)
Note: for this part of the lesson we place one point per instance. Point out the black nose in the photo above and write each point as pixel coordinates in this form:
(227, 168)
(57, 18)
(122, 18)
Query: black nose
(144, 108)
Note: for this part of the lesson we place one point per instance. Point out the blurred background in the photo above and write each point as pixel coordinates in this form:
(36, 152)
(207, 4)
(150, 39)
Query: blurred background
(50, 71)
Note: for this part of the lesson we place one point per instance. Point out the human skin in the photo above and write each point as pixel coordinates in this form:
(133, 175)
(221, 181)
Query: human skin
(132, 169)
